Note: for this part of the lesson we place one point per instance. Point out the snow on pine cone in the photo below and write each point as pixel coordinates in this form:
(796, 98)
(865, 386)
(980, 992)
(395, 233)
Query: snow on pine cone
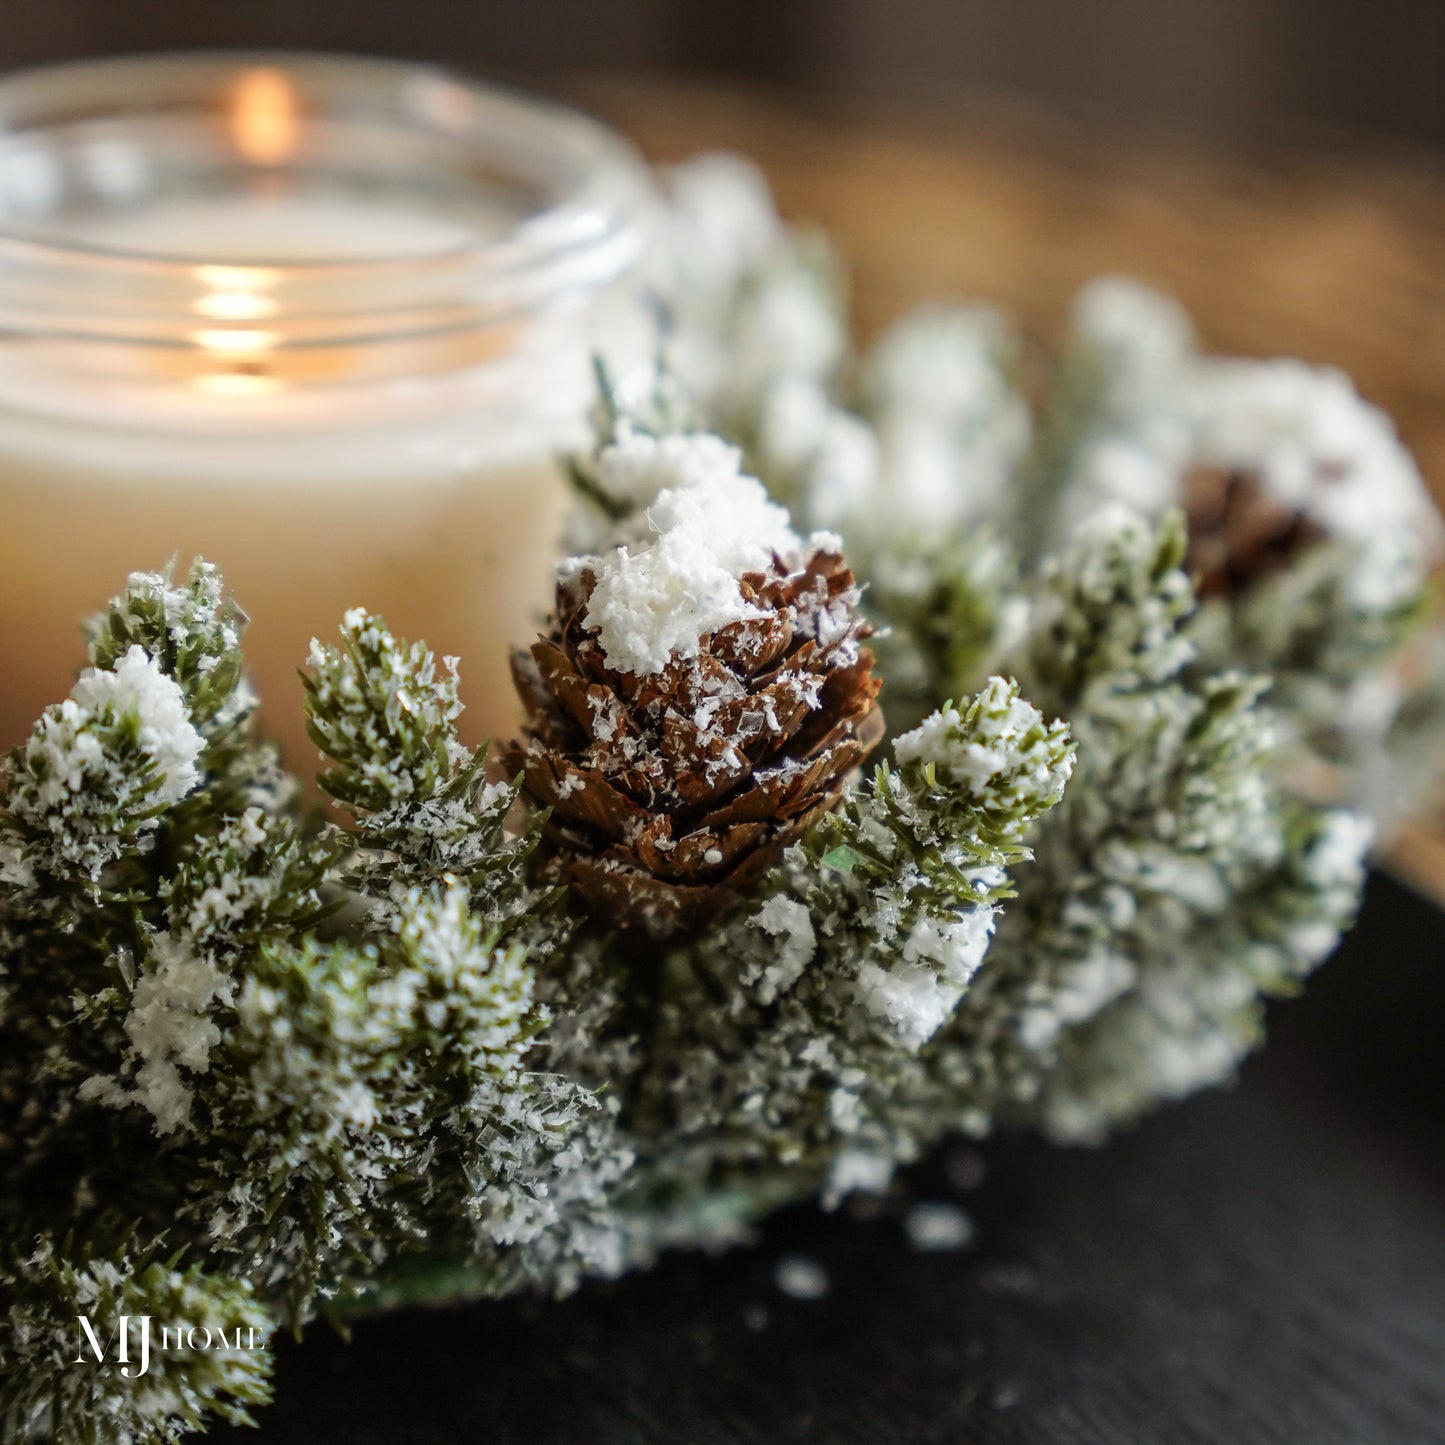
(672, 791)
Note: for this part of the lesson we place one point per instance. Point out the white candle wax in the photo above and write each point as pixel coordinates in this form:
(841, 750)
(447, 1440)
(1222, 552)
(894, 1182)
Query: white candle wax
(446, 530)
(338, 226)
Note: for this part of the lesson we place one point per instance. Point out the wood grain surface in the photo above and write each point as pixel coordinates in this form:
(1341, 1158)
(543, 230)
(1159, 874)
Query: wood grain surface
(1317, 247)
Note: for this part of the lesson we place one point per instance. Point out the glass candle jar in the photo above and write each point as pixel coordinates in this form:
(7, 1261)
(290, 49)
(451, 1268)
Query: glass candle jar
(326, 322)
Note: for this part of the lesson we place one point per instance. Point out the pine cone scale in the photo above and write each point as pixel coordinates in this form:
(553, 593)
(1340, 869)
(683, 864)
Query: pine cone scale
(584, 798)
(562, 682)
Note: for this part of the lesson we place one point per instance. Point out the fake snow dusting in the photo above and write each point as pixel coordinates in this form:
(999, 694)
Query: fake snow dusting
(908, 999)
(170, 1028)
(938, 1227)
(674, 577)
(801, 1278)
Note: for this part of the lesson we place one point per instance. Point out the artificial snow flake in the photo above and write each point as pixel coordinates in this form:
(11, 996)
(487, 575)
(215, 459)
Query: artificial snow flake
(801, 1278)
(935, 1227)
(789, 920)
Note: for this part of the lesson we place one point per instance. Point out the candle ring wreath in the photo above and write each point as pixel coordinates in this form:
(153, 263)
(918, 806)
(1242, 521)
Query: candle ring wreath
(1151, 632)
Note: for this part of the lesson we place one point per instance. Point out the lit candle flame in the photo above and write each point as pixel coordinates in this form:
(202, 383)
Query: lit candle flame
(235, 306)
(236, 358)
(236, 293)
(264, 122)
(236, 341)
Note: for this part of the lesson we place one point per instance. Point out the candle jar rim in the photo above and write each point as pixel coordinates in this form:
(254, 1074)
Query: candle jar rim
(94, 134)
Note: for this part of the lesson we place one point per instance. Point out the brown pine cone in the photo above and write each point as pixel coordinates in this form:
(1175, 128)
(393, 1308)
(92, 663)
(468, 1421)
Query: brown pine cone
(1238, 534)
(672, 792)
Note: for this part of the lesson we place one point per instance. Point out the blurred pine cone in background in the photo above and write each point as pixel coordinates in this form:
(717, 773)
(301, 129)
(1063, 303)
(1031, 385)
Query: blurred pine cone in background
(1238, 532)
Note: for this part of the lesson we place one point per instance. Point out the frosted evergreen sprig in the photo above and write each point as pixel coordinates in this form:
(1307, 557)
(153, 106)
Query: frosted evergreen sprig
(99, 770)
(381, 716)
(746, 303)
(191, 631)
(425, 816)
(906, 878)
(1110, 612)
(422, 808)
(1132, 964)
(949, 817)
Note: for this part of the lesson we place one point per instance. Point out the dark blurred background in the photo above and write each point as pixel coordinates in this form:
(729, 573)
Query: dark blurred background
(1222, 66)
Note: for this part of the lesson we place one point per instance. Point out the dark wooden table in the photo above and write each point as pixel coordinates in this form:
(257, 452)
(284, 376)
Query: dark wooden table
(1261, 1266)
